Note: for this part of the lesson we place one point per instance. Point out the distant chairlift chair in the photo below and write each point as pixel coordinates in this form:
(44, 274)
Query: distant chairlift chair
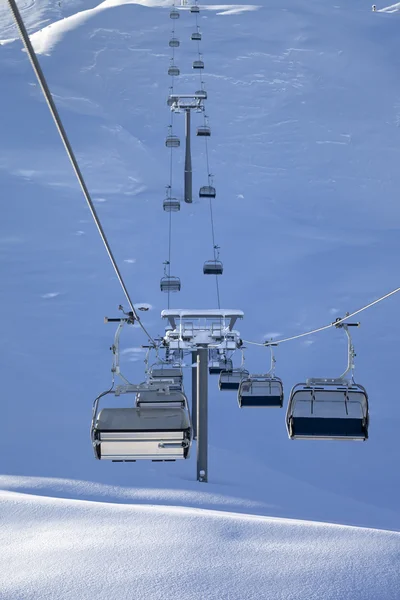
(203, 131)
(213, 267)
(171, 205)
(196, 36)
(218, 362)
(261, 390)
(198, 64)
(231, 379)
(173, 71)
(169, 283)
(207, 191)
(201, 94)
(329, 409)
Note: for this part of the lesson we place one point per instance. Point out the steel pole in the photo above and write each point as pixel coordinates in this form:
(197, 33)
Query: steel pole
(202, 414)
(188, 160)
(194, 394)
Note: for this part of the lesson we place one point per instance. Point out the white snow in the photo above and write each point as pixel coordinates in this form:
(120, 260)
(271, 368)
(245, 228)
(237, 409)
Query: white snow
(58, 548)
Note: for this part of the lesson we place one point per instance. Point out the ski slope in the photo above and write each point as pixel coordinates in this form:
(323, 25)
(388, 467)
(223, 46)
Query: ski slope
(78, 549)
(304, 105)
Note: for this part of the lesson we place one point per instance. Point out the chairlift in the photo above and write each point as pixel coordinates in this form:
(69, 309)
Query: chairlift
(201, 94)
(213, 267)
(173, 71)
(215, 367)
(157, 398)
(171, 205)
(262, 390)
(159, 433)
(166, 372)
(169, 283)
(198, 64)
(174, 43)
(194, 9)
(230, 380)
(330, 409)
(207, 191)
(174, 14)
(203, 131)
(172, 141)
(196, 36)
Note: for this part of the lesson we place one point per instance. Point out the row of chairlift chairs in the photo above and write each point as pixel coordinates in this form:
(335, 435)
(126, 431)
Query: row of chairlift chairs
(157, 423)
(171, 283)
(327, 409)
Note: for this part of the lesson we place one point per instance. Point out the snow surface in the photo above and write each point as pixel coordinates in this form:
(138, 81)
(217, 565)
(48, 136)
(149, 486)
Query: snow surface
(304, 105)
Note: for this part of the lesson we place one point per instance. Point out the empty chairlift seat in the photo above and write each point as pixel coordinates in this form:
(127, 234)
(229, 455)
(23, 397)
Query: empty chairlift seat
(230, 380)
(158, 398)
(215, 367)
(169, 283)
(213, 267)
(201, 94)
(203, 131)
(173, 71)
(171, 205)
(198, 64)
(261, 391)
(196, 37)
(170, 373)
(172, 141)
(194, 9)
(207, 191)
(174, 43)
(328, 410)
(174, 14)
(129, 434)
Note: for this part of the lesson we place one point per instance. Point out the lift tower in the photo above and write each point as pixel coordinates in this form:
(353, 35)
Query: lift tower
(187, 103)
(196, 331)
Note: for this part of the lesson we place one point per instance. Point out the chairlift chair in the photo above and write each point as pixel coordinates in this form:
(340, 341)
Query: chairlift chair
(194, 9)
(329, 409)
(207, 191)
(196, 36)
(173, 71)
(203, 131)
(174, 14)
(169, 283)
(230, 380)
(166, 373)
(172, 141)
(171, 205)
(198, 64)
(213, 267)
(201, 94)
(156, 398)
(174, 43)
(153, 433)
(215, 367)
(260, 390)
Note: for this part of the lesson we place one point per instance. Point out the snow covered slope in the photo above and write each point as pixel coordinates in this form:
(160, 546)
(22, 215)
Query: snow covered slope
(304, 104)
(59, 548)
